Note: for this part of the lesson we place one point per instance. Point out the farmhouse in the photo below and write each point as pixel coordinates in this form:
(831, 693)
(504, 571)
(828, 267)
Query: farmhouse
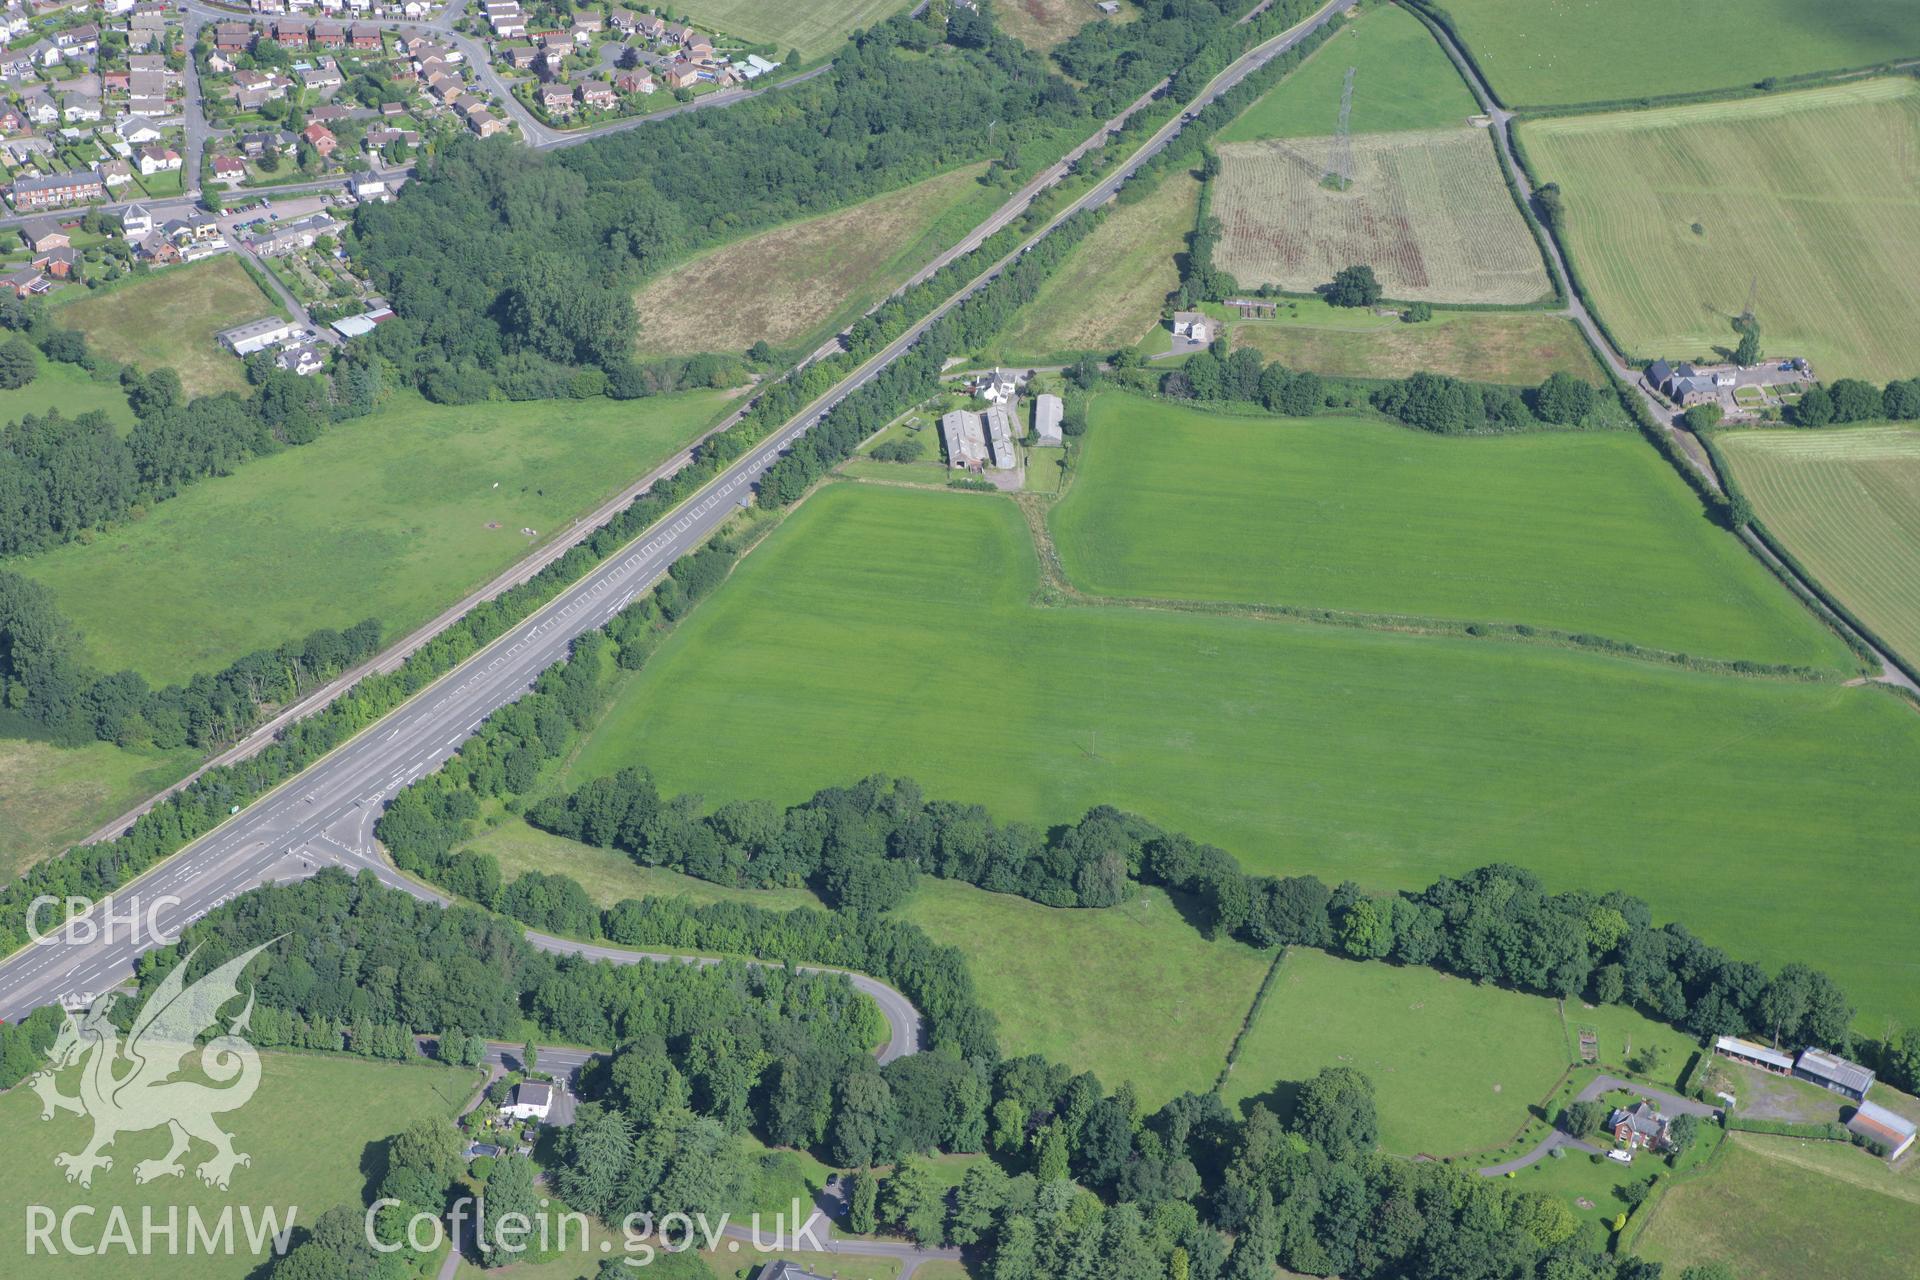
(1754, 1055)
(965, 440)
(531, 1100)
(1638, 1126)
(303, 360)
(997, 387)
(1047, 411)
(257, 335)
(1193, 326)
(1883, 1128)
(1830, 1071)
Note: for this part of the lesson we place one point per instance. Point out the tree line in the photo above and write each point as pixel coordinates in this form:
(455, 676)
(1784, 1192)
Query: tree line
(1849, 400)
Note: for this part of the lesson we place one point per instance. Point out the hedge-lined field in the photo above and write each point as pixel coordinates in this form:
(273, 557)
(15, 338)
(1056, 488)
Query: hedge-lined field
(1808, 200)
(1427, 210)
(1846, 503)
(393, 516)
(895, 630)
(170, 318)
(1109, 291)
(1582, 532)
(314, 1131)
(1402, 79)
(1519, 348)
(1772, 1216)
(1542, 53)
(1454, 1065)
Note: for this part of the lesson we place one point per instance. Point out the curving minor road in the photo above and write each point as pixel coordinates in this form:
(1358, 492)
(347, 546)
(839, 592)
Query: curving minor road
(1690, 446)
(325, 814)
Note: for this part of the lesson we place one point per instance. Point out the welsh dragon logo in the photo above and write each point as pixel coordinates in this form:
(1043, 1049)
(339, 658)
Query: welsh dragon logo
(129, 1088)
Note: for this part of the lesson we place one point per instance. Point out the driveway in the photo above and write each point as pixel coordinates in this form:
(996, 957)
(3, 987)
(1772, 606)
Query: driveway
(1670, 1103)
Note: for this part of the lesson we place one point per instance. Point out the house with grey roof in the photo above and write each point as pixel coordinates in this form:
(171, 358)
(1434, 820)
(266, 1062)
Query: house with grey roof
(1640, 1126)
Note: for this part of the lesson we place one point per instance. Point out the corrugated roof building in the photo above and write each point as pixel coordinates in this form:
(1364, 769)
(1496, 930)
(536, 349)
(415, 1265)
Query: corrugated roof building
(1883, 1128)
(1000, 438)
(966, 442)
(1830, 1071)
(1047, 411)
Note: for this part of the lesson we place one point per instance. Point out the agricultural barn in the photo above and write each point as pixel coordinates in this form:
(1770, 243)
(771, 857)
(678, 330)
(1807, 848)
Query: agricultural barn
(1754, 1055)
(966, 442)
(1047, 411)
(1883, 1128)
(1000, 437)
(1830, 1071)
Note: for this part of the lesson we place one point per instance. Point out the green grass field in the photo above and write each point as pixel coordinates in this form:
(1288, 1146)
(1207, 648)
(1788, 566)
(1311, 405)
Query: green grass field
(1109, 291)
(1549, 52)
(310, 1129)
(894, 629)
(169, 318)
(52, 796)
(1042, 24)
(1580, 531)
(814, 27)
(1804, 200)
(808, 279)
(1131, 992)
(1519, 348)
(609, 875)
(1847, 504)
(385, 516)
(1402, 79)
(1454, 1065)
(1772, 1218)
(67, 388)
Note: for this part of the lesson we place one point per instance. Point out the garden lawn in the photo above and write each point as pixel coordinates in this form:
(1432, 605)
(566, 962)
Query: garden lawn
(1131, 992)
(69, 389)
(312, 1129)
(814, 27)
(1802, 202)
(1402, 79)
(1109, 291)
(1846, 503)
(803, 280)
(1454, 1065)
(1770, 1218)
(1552, 52)
(393, 516)
(895, 629)
(170, 318)
(52, 796)
(1586, 532)
(1518, 348)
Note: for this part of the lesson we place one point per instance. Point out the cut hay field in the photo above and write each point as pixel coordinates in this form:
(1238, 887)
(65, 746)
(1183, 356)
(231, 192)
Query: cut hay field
(169, 318)
(815, 27)
(794, 284)
(52, 796)
(1809, 200)
(1428, 211)
(1770, 1217)
(312, 1129)
(1454, 1065)
(1131, 992)
(1580, 531)
(69, 389)
(393, 516)
(1042, 24)
(1540, 53)
(1402, 79)
(1109, 292)
(1847, 505)
(885, 629)
(1519, 348)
